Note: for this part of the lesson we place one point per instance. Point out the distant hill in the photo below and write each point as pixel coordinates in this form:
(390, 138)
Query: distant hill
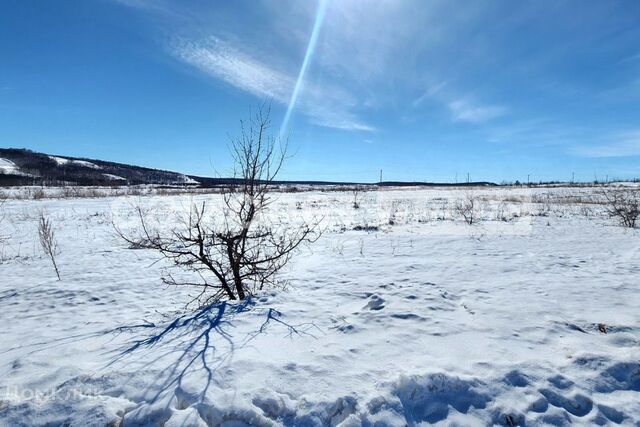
(25, 167)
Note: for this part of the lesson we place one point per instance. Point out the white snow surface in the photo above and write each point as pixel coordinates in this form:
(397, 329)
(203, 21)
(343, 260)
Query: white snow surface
(184, 179)
(63, 161)
(8, 167)
(59, 160)
(426, 321)
(114, 177)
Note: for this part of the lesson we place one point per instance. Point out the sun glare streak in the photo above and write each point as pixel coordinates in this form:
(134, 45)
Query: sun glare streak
(322, 6)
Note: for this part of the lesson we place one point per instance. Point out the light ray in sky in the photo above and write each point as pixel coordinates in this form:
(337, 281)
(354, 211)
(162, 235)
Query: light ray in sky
(322, 6)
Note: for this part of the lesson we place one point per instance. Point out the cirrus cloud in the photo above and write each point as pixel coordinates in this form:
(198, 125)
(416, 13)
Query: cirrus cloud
(626, 144)
(325, 106)
(466, 111)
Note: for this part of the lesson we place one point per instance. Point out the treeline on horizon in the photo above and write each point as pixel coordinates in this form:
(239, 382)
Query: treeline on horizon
(39, 169)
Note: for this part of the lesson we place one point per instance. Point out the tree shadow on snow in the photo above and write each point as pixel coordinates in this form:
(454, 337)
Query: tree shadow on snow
(195, 341)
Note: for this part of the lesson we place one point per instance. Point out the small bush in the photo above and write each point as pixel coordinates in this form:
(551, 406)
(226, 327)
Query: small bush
(356, 202)
(234, 251)
(623, 205)
(48, 241)
(468, 208)
(3, 198)
(38, 194)
(367, 228)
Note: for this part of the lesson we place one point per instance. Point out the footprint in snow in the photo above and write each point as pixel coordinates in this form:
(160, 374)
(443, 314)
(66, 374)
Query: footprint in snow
(579, 405)
(375, 303)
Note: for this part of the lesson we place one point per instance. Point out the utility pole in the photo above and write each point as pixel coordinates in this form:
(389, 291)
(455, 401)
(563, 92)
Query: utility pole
(468, 177)
(573, 177)
(380, 176)
(528, 180)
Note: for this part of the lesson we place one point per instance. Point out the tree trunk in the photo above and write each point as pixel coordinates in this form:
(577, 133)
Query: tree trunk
(235, 269)
(239, 288)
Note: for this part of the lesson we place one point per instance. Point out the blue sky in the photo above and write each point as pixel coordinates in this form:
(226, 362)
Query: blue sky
(423, 90)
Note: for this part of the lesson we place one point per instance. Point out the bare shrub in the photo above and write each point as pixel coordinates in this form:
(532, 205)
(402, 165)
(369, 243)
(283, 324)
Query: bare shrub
(356, 196)
(291, 189)
(70, 192)
(468, 208)
(623, 205)
(444, 207)
(501, 212)
(48, 241)
(366, 227)
(38, 194)
(3, 199)
(586, 211)
(544, 204)
(393, 212)
(234, 249)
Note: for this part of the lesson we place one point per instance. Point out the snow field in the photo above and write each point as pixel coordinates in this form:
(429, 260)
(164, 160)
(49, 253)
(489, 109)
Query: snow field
(419, 320)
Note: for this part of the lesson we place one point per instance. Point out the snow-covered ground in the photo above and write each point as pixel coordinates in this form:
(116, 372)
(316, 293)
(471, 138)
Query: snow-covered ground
(114, 177)
(62, 161)
(401, 314)
(8, 167)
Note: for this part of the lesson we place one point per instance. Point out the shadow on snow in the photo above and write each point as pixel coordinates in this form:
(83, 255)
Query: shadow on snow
(199, 340)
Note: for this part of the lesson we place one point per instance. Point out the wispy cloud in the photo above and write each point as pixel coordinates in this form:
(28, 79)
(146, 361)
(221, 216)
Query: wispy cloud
(536, 132)
(429, 93)
(220, 60)
(462, 109)
(335, 118)
(626, 144)
(329, 107)
(383, 59)
(466, 111)
(635, 57)
(623, 92)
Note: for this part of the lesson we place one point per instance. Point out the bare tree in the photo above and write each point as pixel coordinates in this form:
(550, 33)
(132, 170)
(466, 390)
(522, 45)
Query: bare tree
(48, 241)
(236, 251)
(624, 205)
(468, 208)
